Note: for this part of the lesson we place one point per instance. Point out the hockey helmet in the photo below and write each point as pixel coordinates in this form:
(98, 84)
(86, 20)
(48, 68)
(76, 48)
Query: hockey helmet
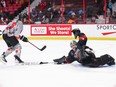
(73, 43)
(76, 32)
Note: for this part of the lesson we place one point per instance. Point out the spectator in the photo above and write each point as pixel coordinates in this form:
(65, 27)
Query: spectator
(49, 5)
(72, 20)
(21, 2)
(110, 6)
(80, 12)
(40, 16)
(25, 21)
(3, 21)
(55, 11)
(45, 19)
(3, 3)
(93, 19)
(100, 8)
(71, 12)
(108, 12)
(6, 13)
(61, 19)
(34, 14)
(17, 2)
(1, 14)
(114, 10)
(89, 11)
(7, 20)
(12, 1)
(42, 5)
(114, 14)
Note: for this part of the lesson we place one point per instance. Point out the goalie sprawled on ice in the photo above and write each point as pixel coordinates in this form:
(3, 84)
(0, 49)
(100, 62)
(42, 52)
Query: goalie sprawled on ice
(85, 56)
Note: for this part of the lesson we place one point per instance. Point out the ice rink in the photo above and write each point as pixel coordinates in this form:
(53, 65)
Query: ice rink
(50, 75)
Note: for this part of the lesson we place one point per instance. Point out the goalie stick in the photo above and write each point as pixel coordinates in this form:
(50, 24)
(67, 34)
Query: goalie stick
(29, 63)
(48, 63)
(36, 63)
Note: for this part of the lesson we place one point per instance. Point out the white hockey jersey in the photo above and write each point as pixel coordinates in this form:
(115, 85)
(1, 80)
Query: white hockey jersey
(14, 28)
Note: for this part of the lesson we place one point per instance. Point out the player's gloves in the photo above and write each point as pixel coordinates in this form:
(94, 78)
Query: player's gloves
(23, 38)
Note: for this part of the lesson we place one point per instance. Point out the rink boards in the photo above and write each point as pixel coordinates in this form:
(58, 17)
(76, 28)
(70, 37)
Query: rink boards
(63, 31)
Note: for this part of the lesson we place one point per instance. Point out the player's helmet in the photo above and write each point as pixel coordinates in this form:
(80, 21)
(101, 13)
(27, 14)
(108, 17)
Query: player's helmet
(73, 43)
(76, 32)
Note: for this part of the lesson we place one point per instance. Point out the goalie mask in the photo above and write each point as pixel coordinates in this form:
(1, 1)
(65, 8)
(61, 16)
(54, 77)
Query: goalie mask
(73, 44)
(76, 32)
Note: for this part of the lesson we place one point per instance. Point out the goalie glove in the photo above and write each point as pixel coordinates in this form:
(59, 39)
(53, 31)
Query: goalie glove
(23, 38)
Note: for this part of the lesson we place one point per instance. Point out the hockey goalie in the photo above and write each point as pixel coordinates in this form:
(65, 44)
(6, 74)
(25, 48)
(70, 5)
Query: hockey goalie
(85, 56)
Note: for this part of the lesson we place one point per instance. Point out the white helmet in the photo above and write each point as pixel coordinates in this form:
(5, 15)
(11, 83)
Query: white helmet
(73, 43)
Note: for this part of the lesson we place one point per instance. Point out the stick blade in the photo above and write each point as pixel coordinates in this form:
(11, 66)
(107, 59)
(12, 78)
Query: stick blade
(43, 48)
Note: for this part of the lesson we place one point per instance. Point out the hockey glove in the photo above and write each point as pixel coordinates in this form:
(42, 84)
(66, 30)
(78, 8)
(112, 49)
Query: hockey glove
(23, 38)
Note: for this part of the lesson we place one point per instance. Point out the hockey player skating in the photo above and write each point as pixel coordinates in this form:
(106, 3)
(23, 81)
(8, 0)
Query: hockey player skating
(9, 35)
(85, 57)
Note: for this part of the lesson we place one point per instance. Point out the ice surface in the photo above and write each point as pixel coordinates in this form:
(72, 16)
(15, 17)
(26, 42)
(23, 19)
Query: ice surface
(49, 75)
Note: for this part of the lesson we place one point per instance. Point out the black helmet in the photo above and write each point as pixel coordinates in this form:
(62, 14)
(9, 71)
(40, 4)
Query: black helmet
(76, 32)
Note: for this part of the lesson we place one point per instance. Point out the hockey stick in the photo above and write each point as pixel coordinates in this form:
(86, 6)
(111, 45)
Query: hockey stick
(35, 63)
(37, 47)
(48, 63)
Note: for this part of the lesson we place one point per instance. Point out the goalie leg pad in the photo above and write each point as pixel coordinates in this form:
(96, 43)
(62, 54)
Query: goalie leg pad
(102, 60)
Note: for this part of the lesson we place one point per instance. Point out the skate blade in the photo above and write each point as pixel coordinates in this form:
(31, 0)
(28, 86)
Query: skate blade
(2, 61)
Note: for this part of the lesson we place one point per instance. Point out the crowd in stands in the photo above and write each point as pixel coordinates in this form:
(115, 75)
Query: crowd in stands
(49, 11)
(57, 12)
(10, 9)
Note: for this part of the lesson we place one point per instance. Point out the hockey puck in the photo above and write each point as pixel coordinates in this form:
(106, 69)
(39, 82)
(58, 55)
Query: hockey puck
(43, 63)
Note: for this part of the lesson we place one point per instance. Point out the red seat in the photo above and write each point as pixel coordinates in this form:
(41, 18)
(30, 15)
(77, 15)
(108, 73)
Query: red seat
(14, 5)
(8, 5)
(8, 2)
(18, 5)
(10, 8)
(1, 8)
(4, 8)
(15, 8)
(26, 0)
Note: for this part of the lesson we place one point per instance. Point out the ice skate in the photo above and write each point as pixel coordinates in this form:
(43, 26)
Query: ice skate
(2, 58)
(18, 59)
(111, 60)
